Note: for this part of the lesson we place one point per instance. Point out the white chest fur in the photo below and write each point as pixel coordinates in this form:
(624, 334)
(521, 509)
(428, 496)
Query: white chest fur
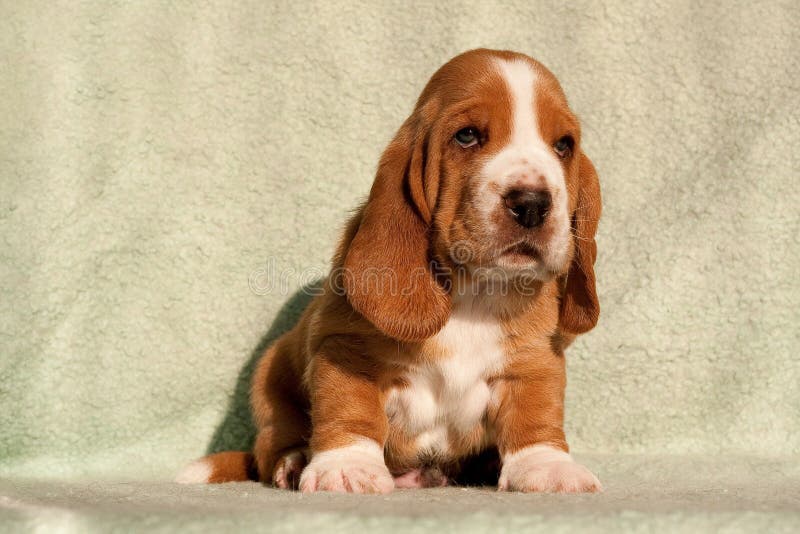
(450, 394)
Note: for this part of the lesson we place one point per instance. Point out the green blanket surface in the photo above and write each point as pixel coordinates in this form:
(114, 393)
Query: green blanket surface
(643, 493)
(174, 177)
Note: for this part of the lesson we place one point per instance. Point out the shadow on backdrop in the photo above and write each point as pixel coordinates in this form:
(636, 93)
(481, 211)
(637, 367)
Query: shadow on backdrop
(236, 432)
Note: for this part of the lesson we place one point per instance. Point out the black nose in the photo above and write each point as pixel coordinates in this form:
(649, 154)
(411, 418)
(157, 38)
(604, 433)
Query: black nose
(528, 207)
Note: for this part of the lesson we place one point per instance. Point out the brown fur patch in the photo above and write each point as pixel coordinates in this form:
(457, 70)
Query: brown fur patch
(231, 467)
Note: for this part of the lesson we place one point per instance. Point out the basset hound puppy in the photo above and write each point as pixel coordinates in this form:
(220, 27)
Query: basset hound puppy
(439, 339)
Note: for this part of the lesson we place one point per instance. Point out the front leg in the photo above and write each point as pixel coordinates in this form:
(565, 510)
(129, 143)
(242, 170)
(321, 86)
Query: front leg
(529, 424)
(349, 425)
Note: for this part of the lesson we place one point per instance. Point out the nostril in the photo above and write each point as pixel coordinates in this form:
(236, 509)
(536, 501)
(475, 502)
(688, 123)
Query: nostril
(528, 208)
(544, 202)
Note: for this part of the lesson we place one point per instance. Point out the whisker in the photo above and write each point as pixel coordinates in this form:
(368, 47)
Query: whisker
(582, 238)
(584, 207)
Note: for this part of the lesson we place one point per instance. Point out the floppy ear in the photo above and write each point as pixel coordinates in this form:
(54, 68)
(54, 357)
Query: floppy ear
(388, 276)
(580, 308)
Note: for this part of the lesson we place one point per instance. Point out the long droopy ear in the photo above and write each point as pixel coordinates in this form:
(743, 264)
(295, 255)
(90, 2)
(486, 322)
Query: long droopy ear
(580, 308)
(388, 276)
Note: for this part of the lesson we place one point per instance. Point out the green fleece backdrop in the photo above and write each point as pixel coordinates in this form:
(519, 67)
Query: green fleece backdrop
(173, 173)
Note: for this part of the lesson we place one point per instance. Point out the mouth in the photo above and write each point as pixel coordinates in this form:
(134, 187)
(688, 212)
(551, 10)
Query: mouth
(521, 254)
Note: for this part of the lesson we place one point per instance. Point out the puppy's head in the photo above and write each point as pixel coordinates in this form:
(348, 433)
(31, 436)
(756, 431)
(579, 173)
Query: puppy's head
(486, 173)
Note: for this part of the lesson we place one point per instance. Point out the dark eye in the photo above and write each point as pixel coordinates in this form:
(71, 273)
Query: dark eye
(563, 146)
(467, 137)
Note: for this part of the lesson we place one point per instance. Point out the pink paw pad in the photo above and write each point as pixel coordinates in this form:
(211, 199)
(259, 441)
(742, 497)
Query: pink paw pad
(424, 477)
(288, 469)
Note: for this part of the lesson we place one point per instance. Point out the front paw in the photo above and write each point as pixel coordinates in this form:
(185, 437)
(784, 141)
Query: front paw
(543, 468)
(356, 468)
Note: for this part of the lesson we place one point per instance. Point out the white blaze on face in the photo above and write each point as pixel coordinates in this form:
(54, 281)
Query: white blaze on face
(528, 160)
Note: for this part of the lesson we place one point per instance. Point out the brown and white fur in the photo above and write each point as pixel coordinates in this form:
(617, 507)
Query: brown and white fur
(441, 331)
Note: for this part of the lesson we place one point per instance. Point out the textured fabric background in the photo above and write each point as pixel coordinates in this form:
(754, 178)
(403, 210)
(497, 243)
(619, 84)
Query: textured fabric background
(701, 494)
(158, 158)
